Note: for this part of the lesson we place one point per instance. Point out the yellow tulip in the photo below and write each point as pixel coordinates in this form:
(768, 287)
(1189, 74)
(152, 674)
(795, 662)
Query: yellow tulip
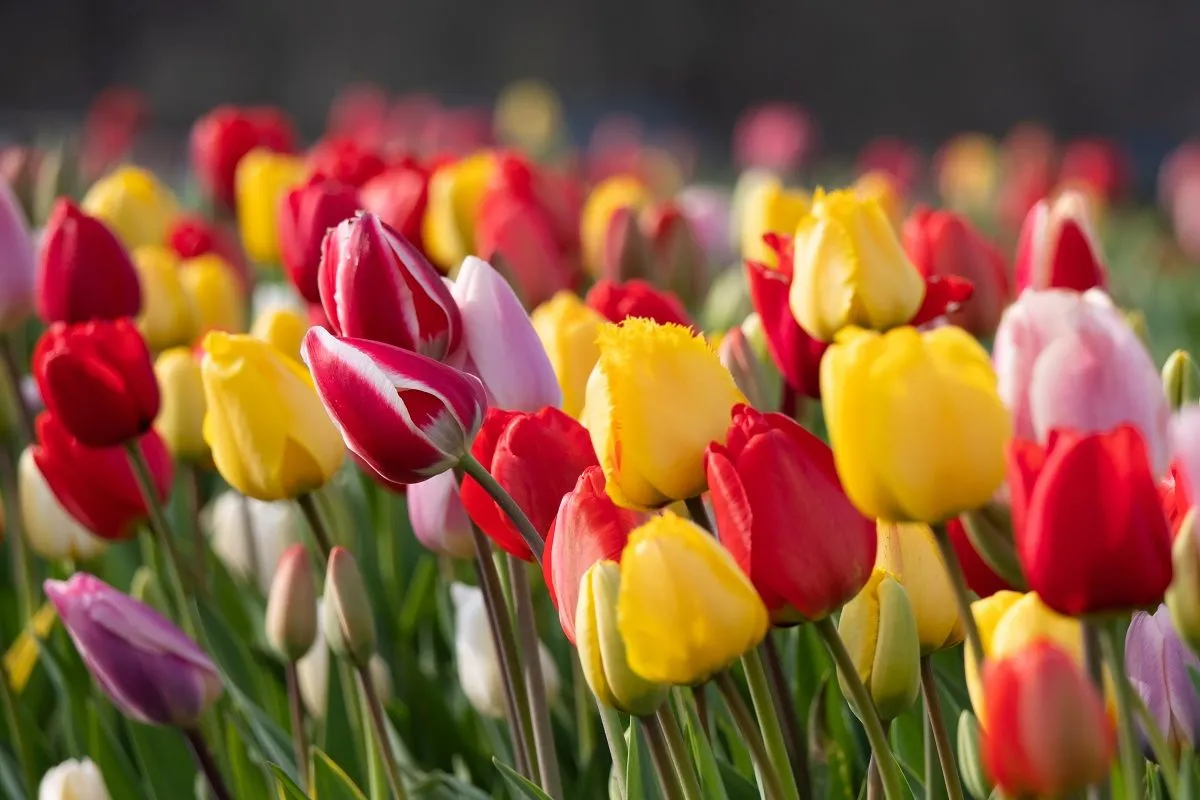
(455, 193)
(657, 397)
(879, 630)
(261, 179)
(881, 187)
(770, 208)
(568, 330)
(216, 293)
(168, 318)
(910, 553)
(270, 436)
(180, 422)
(917, 429)
(132, 202)
(283, 327)
(850, 268)
(684, 608)
(609, 196)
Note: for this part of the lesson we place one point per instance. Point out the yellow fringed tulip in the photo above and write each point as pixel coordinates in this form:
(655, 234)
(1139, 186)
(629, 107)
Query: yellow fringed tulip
(568, 330)
(849, 268)
(879, 630)
(180, 421)
(917, 429)
(609, 196)
(283, 327)
(132, 202)
(455, 193)
(168, 318)
(910, 554)
(656, 399)
(215, 292)
(684, 610)
(768, 207)
(270, 436)
(261, 179)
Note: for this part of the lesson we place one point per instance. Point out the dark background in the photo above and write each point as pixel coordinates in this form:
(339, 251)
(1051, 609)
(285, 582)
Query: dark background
(922, 70)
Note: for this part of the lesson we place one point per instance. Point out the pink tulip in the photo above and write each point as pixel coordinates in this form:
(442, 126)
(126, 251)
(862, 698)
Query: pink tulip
(1057, 248)
(439, 521)
(17, 262)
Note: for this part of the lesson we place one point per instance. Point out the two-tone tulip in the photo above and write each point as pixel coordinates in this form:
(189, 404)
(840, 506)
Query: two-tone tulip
(180, 420)
(83, 271)
(879, 628)
(1057, 248)
(18, 263)
(221, 138)
(134, 204)
(306, 213)
(567, 329)
(612, 244)
(49, 528)
(263, 177)
(168, 318)
(438, 518)
(636, 298)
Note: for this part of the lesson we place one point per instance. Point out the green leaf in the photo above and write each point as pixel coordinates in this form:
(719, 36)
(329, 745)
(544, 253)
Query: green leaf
(118, 771)
(640, 780)
(341, 733)
(10, 778)
(330, 782)
(736, 785)
(285, 787)
(246, 775)
(712, 782)
(521, 786)
(163, 759)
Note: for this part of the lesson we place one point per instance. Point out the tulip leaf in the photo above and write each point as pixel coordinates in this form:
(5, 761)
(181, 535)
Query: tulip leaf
(712, 781)
(10, 778)
(735, 785)
(246, 776)
(330, 782)
(102, 748)
(162, 758)
(285, 787)
(520, 786)
(341, 733)
(640, 781)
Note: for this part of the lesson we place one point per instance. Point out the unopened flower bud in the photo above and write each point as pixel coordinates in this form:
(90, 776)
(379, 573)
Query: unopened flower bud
(291, 622)
(347, 619)
(970, 758)
(1183, 596)
(749, 371)
(1181, 379)
(880, 631)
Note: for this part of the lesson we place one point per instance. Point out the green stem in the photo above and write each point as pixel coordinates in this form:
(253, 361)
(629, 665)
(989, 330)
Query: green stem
(308, 505)
(768, 722)
(618, 748)
(1131, 759)
(945, 750)
(533, 539)
(13, 372)
(535, 682)
(1094, 666)
(680, 755)
(889, 770)
(14, 726)
(1158, 745)
(296, 706)
(793, 732)
(191, 497)
(207, 764)
(379, 726)
(962, 595)
(27, 595)
(771, 784)
(583, 709)
(661, 757)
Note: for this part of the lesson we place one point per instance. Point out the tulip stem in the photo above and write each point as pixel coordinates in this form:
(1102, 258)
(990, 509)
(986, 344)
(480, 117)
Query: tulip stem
(961, 594)
(312, 514)
(768, 722)
(19, 742)
(14, 522)
(12, 371)
(743, 720)
(583, 709)
(1131, 759)
(191, 496)
(614, 732)
(535, 682)
(661, 756)
(1158, 745)
(297, 708)
(379, 725)
(941, 738)
(793, 733)
(533, 539)
(889, 770)
(680, 755)
(207, 764)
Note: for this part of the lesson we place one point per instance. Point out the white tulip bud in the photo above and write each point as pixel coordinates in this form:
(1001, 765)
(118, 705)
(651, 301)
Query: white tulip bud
(73, 780)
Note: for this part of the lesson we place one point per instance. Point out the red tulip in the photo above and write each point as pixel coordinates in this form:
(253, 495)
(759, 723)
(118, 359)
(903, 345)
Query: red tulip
(537, 458)
(1057, 249)
(1176, 499)
(636, 298)
(222, 136)
(98, 379)
(980, 578)
(782, 513)
(589, 527)
(679, 262)
(97, 485)
(1089, 525)
(1048, 734)
(192, 236)
(398, 195)
(306, 213)
(1099, 164)
(83, 271)
(345, 161)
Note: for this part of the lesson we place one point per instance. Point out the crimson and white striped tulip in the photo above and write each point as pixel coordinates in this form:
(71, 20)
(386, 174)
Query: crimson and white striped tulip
(1057, 249)
(375, 285)
(405, 416)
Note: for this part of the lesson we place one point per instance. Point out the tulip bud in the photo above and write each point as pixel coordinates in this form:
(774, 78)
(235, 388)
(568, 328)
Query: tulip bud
(880, 632)
(399, 196)
(250, 536)
(437, 516)
(215, 291)
(1181, 379)
(73, 780)
(17, 262)
(284, 328)
(1183, 595)
(748, 371)
(83, 272)
(347, 618)
(262, 178)
(291, 621)
(601, 649)
(909, 554)
(180, 420)
(167, 317)
(1057, 248)
(381, 679)
(305, 214)
(608, 221)
(312, 670)
(221, 139)
(49, 529)
(134, 204)
(626, 252)
(970, 758)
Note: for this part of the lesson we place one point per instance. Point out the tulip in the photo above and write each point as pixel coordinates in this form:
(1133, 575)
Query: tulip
(405, 416)
(438, 518)
(83, 272)
(222, 137)
(909, 554)
(167, 317)
(684, 610)
(134, 205)
(398, 195)
(917, 429)
(1057, 248)
(346, 614)
(17, 262)
(588, 528)
(192, 236)
(502, 347)
(679, 262)
(312, 671)
(180, 421)
(567, 329)
(1160, 667)
(636, 298)
(375, 285)
(609, 198)
(1090, 529)
(652, 449)
(879, 629)
(1181, 380)
(73, 780)
(455, 193)
(708, 210)
(602, 651)
(769, 208)
(150, 670)
(479, 672)
(625, 252)
(271, 438)
(782, 514)
(944, 243)
(50, 529)
(216, 294)
(263, 178)
(305, 214)
(282, 328)
(291, 621)
(750, 369)
(250, 536)
(345, 160)
(1048, 734)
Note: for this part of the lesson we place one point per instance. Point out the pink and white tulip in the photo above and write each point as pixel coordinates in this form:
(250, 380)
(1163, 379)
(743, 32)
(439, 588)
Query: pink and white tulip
(439, 520)
(1058, 249)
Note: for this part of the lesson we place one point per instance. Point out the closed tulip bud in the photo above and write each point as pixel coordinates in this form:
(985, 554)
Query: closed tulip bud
(17, 262)
(880, 632)
(305, 214)
(680, 262)
(567, 329)
(151, 671)
(685, 610)
(1160, 668)
(132, 202)
(347, 618)
(749, 372)
(73, 780)
(49, 529)
(503, 349)
(437, 516)
(420, 426)
(375, 285)
(167, 318)
(652, 450)
(1057, 248)
(222, 137)
(970, 758)
(1181, 379)
(939, 384)
(636, 298)
(456, 191)
(263, 177)
(1048, 734)
(399, 195)
(1183, 595)
(216, 294)
(625, 252)
(180, 421)
(909, 553)
(312, 671)
(602, 651)
(83, 272)
(270, 436)
(613, 200)
(291, 622)
(767, 207)
(250, 536)
(283, 328)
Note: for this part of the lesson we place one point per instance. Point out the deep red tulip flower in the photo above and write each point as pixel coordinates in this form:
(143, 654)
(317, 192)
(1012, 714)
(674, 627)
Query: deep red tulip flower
(782, 513)
(98, 379)
(83, 271)
(1089, 524)
(636, 298)
(980, 578)
(1176, 499)
(221, 137)
(1099, 164)
(306, 214)
(345, 161)
(538, 459)
(97, 485)
(192, 236)
(589, 527)
(398, 196)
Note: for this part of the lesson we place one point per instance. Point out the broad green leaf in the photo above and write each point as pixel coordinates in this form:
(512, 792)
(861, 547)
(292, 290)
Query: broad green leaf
(285, 787)
(640, 780)
(104, 748)
(245, 775)
(736, 786)
(519, 786)
(712, 782)
(341, 734)
(10, 778)
(330, 782)
(162, 758)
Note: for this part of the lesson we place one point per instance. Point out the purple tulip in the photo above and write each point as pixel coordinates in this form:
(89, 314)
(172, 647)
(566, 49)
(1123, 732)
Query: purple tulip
(438, 518)
(150, 670)
(1159, 663)
(17, 262)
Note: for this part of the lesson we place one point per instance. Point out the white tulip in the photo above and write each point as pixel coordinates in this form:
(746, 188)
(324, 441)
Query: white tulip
(73, 780)
(252, 554)
(50, 529)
